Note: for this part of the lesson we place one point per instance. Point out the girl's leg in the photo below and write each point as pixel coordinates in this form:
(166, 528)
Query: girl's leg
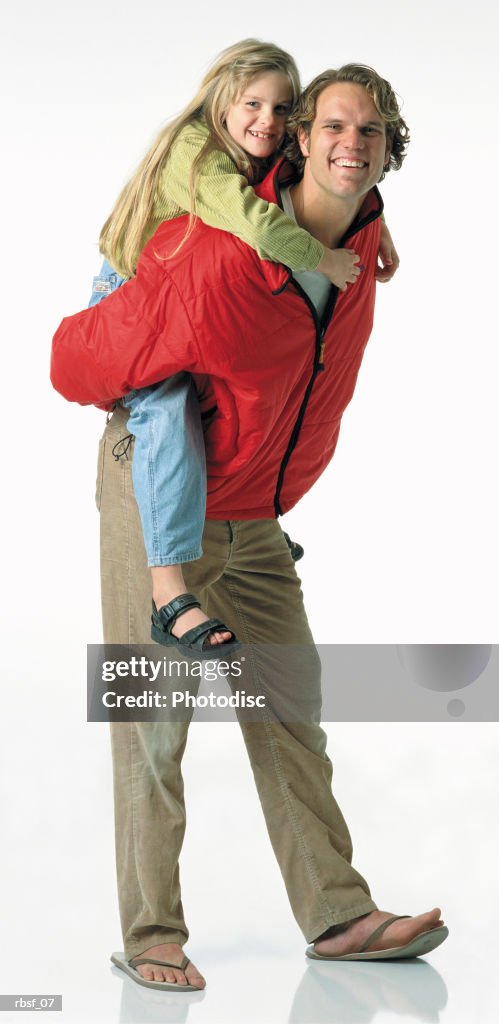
(168, 469)
(169, 478)
(107, 281)
(185, 487)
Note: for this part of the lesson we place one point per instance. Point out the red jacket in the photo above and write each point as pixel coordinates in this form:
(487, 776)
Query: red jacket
(277, 379)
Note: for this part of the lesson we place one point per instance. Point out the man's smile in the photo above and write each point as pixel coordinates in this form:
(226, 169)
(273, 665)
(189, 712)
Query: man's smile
(344, 161)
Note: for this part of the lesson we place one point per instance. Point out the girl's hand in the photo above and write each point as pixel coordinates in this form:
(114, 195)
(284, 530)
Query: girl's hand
(387, 255)
(339, 266)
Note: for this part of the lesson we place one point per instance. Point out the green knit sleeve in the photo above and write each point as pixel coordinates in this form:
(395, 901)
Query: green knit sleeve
(225, 200)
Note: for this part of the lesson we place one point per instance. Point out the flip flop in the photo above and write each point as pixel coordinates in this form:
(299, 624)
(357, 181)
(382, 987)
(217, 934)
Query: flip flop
(421, 944)
(129, 966)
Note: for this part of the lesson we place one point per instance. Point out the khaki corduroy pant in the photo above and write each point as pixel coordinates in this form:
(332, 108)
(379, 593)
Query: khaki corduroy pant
(246, 577)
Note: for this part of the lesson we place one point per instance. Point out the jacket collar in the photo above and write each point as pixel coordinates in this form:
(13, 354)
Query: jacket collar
(284, 174)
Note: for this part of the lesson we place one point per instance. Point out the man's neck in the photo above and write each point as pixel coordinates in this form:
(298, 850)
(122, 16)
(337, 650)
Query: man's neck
(325, 217)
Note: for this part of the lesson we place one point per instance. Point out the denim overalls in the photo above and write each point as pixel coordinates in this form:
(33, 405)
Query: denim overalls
(169, 465)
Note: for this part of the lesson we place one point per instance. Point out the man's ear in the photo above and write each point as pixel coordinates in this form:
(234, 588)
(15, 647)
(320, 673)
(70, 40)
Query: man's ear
(303, 141)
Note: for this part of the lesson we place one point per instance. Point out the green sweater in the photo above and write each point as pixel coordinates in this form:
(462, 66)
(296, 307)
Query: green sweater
(225, 200)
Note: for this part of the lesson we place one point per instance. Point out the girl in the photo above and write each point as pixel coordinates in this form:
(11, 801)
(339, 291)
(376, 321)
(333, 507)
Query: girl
(204, 163)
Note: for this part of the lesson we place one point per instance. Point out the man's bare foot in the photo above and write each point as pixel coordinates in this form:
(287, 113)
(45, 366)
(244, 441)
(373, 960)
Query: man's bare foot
(168, 582)
(399, 933)
(172, 953)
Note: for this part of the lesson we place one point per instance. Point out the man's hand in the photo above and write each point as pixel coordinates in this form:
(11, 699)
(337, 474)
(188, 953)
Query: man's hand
(339, 266)
(388, 257)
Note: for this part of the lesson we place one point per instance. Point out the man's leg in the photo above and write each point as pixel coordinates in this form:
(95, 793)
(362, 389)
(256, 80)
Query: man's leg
(259, 592)
(125, 610)
(148, 785)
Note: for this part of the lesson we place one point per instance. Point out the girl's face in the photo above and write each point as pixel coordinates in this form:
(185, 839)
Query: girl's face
(257, 119)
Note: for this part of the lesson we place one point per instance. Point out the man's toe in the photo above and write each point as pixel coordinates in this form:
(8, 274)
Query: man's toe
(147, 972)
(194, 977)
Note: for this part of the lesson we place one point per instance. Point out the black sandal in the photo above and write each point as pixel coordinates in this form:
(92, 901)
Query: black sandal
(191, 642)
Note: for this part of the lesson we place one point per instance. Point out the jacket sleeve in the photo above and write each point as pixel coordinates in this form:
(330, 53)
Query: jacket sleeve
(225, 200)
(140, 335)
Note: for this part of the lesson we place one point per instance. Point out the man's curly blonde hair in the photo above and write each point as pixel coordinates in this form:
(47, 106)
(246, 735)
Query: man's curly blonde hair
(384, 99)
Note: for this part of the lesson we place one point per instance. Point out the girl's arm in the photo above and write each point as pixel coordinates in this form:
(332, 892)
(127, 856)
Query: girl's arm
(225, 200)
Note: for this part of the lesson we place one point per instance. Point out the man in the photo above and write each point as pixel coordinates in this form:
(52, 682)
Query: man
(275, 361)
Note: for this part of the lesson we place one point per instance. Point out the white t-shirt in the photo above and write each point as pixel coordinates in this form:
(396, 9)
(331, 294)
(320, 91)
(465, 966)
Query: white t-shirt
(315, 284)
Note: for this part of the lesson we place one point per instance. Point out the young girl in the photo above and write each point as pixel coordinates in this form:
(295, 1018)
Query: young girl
(204, 163)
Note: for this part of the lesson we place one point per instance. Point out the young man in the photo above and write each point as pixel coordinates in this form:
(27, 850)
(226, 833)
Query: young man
(275, 360)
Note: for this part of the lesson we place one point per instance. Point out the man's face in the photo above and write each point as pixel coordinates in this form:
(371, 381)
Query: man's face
(347, 147)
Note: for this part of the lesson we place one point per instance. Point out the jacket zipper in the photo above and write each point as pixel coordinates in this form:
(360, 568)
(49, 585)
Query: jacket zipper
(320, 334)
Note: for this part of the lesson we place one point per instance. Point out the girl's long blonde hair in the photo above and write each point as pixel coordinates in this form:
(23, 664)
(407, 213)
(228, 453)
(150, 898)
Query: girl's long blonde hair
(122, 236)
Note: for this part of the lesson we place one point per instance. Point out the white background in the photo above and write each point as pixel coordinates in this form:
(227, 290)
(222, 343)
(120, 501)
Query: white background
(400, 534)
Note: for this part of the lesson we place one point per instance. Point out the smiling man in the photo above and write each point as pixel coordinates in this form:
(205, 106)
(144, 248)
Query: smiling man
(275, 358)
(344, 152)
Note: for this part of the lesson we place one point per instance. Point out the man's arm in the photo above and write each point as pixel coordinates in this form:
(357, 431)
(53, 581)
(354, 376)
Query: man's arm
(140, 335)
(388, 257)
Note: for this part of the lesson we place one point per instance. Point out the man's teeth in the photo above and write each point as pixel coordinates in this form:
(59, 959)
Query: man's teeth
(342, 162)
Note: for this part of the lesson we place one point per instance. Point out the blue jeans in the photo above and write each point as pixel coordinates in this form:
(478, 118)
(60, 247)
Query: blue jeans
(169, 467)
(107, 281)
